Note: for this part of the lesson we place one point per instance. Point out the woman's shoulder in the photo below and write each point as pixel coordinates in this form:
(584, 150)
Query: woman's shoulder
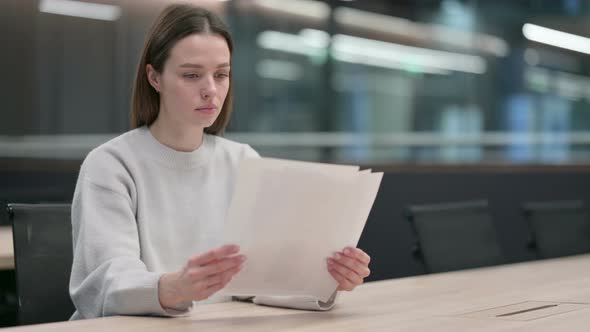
(110, 165)
(112, 155)
(116, 145)
(228, 147)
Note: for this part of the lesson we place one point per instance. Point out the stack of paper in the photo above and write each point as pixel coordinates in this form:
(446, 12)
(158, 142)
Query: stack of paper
(288, 217)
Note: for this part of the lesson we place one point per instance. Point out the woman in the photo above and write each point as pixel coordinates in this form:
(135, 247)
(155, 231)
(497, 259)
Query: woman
(149, 201)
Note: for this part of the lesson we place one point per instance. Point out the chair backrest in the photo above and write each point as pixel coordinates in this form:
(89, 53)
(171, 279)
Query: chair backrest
(558, 228)
(42, 235)
(455, 236)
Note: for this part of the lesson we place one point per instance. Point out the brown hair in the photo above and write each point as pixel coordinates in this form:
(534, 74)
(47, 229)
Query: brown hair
(174, 23)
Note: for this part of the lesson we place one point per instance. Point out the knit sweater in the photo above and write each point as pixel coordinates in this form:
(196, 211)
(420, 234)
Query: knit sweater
(141, 209)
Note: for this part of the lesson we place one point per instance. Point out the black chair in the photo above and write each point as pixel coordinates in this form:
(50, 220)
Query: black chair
(558, 228)
(455, 236)
(42, 236)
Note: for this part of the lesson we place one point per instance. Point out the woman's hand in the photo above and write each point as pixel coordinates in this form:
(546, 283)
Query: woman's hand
(202, 276)
(349, 267)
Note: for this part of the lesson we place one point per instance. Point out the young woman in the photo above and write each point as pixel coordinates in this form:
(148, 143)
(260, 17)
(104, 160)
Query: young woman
(149, 205)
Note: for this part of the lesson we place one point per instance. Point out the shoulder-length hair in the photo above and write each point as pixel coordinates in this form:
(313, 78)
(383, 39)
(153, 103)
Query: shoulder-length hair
(174, 23)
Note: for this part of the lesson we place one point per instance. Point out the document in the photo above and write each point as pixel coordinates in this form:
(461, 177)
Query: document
(288, 217)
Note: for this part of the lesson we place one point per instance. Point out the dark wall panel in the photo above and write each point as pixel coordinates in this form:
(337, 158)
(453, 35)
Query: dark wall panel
(387, 236)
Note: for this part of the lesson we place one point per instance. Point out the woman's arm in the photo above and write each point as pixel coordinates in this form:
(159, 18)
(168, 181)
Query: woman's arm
(108, 276)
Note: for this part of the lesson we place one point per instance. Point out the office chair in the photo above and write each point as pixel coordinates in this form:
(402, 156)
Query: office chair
(558, 228)
(454, 236)
(43, 253)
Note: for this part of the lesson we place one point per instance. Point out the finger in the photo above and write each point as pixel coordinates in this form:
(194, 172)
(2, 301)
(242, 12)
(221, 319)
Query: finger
(343, 283)
(352, 263)
(224, 277)
(358, 254)
(215, 267)
(349, 274)
(204, 288)
(228, 275)
(214, 254)
(207, 292)
(213, 280)
(214, 288)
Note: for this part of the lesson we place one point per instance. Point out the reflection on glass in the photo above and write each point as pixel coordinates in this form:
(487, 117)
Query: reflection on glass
(346, 81)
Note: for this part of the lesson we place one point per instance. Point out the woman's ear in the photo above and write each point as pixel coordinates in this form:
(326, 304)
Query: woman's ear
(153, 77)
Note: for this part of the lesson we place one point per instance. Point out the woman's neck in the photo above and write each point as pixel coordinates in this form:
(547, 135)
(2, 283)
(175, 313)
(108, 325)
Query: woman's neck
(179, 138)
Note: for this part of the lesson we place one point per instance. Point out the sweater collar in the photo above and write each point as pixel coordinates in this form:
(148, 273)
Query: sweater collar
(178, 159)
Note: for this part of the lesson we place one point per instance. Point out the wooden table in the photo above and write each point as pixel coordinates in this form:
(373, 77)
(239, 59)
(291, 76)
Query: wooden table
(453, 302)
(6, 248)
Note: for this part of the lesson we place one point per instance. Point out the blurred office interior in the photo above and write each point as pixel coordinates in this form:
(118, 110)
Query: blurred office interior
(365, 81)
(456, 100)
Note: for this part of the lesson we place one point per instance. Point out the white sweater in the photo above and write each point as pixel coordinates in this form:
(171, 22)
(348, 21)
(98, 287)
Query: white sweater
(140, 210)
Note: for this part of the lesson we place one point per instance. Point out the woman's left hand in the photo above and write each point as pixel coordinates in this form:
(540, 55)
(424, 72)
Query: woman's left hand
(349, 267)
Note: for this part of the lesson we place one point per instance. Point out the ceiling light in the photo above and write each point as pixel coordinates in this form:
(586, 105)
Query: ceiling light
(556, 38)
(80, 9)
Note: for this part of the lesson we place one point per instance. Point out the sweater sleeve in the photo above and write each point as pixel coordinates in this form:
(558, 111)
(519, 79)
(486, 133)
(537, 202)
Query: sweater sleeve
(249, 152)
(108, 276)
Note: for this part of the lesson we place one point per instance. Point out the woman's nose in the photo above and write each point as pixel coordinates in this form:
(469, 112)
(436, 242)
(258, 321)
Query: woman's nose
(208, 90)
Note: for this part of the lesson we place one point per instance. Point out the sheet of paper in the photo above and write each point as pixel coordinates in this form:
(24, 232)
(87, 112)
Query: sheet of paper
(288, 217)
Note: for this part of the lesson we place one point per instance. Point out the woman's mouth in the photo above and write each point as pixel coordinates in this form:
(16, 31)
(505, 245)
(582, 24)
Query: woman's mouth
(209, 109)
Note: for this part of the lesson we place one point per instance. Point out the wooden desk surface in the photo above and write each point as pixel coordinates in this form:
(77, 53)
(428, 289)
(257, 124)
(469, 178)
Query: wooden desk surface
(6, 248)
(440, 302)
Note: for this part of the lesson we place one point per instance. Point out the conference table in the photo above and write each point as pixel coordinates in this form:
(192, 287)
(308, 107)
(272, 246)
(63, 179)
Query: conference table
(544, 295)
(6, 248)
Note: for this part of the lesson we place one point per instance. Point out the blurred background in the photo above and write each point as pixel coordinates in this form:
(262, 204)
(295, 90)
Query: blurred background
(365, 81)
(455, 100)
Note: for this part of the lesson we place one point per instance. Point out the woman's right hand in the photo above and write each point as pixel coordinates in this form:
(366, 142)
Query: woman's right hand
(201, 277)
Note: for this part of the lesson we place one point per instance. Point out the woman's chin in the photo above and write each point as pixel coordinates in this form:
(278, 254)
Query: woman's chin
(203, 123)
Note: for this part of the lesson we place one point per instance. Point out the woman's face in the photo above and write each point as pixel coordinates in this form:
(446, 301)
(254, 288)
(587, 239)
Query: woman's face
(194, 81)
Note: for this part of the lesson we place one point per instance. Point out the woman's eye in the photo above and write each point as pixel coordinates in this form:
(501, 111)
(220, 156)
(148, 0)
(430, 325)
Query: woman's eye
(222, 75)
(191, 76)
